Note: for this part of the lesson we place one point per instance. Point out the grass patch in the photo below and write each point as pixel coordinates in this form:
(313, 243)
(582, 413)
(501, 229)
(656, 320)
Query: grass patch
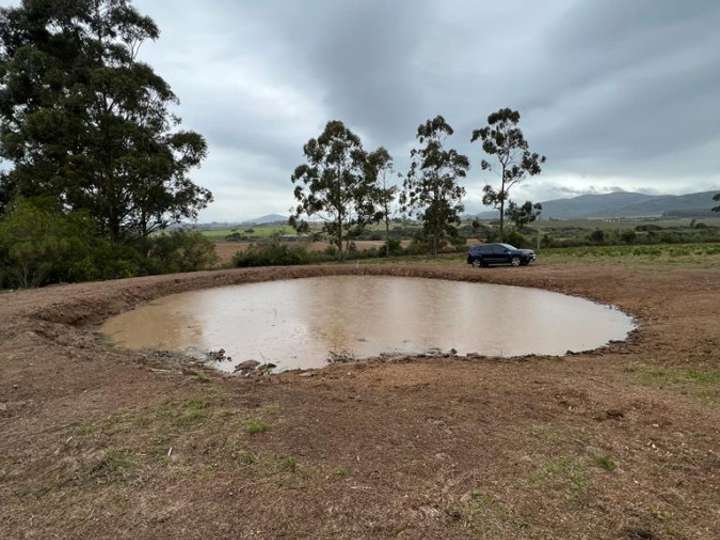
(115, 465)
(256, 426)
(605, 463)
(173, 414)
(342, 472)
(565, 473)
(247, 458)
(288, 464)
(200, 377)
(704, 385)
(487, 516)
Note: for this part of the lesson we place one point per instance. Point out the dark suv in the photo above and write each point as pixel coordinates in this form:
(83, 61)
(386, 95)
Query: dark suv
(487, 254)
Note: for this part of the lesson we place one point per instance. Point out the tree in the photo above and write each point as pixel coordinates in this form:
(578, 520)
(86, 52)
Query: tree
(40, 244)
(334, 186)
(525, 214)
(716, 198)
(84, 121)
(503, 139)
(379, 164)
(431, 191)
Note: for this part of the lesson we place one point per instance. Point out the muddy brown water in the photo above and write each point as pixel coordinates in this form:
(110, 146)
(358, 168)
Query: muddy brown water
(304, 323)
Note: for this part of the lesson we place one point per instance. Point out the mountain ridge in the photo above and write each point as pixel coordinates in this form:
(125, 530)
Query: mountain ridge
(621, 204)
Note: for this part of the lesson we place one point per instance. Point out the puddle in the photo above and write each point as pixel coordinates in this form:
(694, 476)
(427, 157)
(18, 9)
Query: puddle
(303, 323)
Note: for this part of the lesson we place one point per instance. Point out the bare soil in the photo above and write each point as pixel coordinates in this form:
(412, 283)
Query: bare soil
(623, 442)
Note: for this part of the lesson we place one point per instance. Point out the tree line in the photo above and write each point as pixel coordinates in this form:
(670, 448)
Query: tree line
(346, 188)
(99, 161)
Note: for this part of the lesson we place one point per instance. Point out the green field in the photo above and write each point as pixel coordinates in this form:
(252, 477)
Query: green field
(696, 255)
(259, 231)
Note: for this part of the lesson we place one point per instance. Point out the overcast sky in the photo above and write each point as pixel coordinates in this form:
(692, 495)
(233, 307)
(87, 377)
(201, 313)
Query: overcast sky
(616, 93)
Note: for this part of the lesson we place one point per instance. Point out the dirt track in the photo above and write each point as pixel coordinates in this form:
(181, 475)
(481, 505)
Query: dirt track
(624, 442)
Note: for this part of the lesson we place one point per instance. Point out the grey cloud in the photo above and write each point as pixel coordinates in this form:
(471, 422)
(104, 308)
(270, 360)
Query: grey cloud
(616, 94)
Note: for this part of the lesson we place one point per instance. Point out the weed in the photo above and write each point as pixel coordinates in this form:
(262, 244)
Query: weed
(247, 458)
(114, 465)
(255, 426)
(289, 464)
(342, 472)
(605, 462)
(563, 471)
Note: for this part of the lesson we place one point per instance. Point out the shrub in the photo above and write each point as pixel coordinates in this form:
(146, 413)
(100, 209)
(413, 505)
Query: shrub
(393, 247)
(517, 239)
(179, 251)
(275, 254)
(628, 236)
(40, 244)
(597, 236)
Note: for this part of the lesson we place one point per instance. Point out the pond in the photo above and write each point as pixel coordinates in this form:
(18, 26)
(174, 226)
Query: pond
(306, 323)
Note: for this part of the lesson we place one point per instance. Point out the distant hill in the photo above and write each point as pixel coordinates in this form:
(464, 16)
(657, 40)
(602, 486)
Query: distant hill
(624, 204)
(266, 219)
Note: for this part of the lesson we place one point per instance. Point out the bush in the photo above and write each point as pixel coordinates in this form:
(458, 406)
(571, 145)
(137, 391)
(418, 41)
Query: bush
(40, 244)
(276, 254)
(518, 240)
(179, 251)
(393, 247)
(597, 236)
(628, 236)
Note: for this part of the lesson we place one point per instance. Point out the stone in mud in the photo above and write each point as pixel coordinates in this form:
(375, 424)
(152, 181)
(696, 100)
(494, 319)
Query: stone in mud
(247, 365)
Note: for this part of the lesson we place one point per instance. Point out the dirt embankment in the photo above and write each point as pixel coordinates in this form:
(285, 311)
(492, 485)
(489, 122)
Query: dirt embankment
(99, 442)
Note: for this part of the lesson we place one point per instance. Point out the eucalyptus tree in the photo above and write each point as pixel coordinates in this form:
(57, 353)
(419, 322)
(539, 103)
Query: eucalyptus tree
(379, 166)
(504, 140)
(431, 190)
(334, 186)
(84, 121)
(524, 214)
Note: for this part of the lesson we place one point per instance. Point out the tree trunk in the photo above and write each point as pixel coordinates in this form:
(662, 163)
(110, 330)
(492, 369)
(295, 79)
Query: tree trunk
(387, 235)
(340, 240)
(502, 220)
(502, 206)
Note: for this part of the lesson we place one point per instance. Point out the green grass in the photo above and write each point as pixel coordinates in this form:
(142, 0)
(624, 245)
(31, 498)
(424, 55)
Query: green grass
(255, 426)
(259, 231)
(115, 465)
(699, 254)
(604, 462)
(703, 385)
(566, 473)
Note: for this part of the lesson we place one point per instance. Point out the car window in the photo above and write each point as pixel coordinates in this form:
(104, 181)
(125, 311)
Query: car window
(498, 249)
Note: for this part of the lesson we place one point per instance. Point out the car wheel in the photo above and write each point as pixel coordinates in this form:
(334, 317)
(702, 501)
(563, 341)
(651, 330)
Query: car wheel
(515, 261)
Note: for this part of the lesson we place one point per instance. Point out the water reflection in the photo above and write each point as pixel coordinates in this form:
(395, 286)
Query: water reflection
(301, 323)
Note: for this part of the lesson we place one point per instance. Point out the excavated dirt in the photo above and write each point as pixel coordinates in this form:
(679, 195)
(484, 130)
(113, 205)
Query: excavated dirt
(623, 442)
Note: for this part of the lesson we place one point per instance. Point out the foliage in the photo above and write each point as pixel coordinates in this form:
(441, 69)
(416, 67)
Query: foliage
(392, 248)
(276, 254)
(525, 214)
(503, 139)
(716, 198)
(597, 236)
(40, 244)
(179, 251)
(335, 186)
(83, 121)
(379, 164)
(518, 240)
(628, 236)
(431, 191)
